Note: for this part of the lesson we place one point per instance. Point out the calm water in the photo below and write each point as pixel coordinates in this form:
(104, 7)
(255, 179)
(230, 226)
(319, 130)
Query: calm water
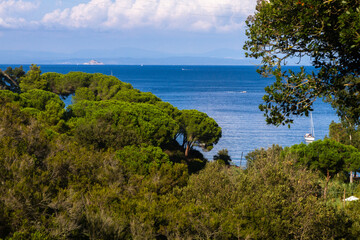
(218, 91)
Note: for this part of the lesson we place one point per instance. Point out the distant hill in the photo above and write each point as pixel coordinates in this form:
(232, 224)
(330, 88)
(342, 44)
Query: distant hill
(127, 56)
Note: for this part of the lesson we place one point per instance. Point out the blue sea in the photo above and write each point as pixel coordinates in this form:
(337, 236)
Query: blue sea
(229, 94)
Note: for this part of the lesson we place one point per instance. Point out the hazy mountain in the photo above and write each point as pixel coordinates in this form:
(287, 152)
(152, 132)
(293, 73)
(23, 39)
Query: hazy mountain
(225, 53)
(121, 53)
(126, 56)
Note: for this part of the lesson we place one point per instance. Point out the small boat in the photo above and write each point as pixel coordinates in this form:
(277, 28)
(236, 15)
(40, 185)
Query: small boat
(310, 137)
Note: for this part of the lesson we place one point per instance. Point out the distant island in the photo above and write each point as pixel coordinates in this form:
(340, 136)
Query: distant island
(93, 62)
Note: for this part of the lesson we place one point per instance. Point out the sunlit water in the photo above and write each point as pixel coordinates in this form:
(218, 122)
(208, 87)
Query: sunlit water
(229, 94)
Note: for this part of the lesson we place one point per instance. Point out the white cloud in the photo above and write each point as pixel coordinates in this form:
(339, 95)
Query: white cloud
(194, 15)
(89, 15)
(11, 6)
(11, 12)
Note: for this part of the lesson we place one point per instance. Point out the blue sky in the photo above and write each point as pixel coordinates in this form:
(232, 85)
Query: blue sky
(183, 27)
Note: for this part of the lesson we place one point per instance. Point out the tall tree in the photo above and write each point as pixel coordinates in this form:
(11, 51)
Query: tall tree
(327, 33)
(198, 129)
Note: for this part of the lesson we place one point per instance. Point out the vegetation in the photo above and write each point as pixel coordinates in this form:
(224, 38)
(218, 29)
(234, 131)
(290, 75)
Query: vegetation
(223, 157)
(327, 156)
(121, 164)
(280, 31)
(88, 171)
(326, 34)
(10, 77)
(197, 129)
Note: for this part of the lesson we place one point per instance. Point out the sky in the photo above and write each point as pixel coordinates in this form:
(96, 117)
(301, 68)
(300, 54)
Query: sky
(180, 27)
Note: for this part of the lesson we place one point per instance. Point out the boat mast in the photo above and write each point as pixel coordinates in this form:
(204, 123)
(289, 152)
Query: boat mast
(310, 137)
(312, 131)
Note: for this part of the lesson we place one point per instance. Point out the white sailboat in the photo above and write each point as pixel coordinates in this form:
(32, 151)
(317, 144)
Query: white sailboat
(310, 137)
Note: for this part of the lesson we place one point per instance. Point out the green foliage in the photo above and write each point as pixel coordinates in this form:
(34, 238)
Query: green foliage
(344, 134)
(7, 96)
(204, 207)
(9, 79)
(33, 80)
(136, 96)
(102, 134)
(169, 110)
(45, 105)
(276, 187)
(327, 156)
(195, 164)
(148, 122)
(83, 93)
(198, 129)
(280, 30)
(345, 101)
(353, 209)
(262, 153)
(65, 85)
(338, 133)
(39, 99)
(272, 199)
(54, 80)
(95, 87)
(142, 160)
(77, 192)
(106, 87)
(30, 234)
(223, 157)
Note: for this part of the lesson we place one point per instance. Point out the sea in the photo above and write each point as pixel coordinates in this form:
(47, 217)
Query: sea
(229, 94)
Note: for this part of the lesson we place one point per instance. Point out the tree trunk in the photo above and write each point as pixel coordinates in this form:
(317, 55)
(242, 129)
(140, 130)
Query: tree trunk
(13, 82)
(189, 143)
(187, 150)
